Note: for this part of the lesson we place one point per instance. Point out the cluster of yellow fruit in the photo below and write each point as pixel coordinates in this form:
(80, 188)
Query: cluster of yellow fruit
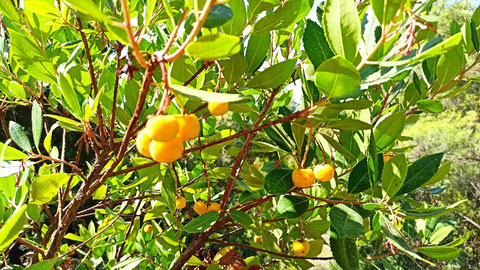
(304, 178)
(201, 207)
(162, 139)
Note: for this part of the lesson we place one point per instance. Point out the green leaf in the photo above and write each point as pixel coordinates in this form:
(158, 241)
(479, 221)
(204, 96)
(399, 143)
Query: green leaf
(474, 34)
(44, 187)
(100, 193)
(340, 148)
(241, 217)
(350, 124)
(394, 174)
(169, 191)
(91, 9)
(440, 253)
(385, 10)
(257, 51)
(431, 212)
(342, 27)
(237, 23)
(182, 70)
(336, 78)
(389, 129)
(346, 221)
(278, 181)
(18, 135)
(233, 68)
(344, 251)
(420, 172)
(460, 240)
(37, 123)
(315, 229)
(43, 265)
(448, 67)
(9, 232)
(439, 234)
(359, 104)
(358, 179)
(284, 16)
(225, 45)
(315, 43)
(274, 75)
(69, 94)
(219, 14)
(432, 106)
(11, 153)
(8, 9)
(290, 206)
(206, 96)
(201, 223)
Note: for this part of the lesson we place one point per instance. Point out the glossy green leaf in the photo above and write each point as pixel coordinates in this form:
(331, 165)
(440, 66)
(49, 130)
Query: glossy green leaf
(284, 16)
(18, 135)
(430, 212)
(359, 104)
(336, 78)
(8, 9)
(100, 193)
(358, 180)
(344, 252)
(474, 35)
(315, 229)
(207, 96)
(37, 123)
(432, 106)
(278, 181)
(448, 66)
(387, 131)
(219, 14)
(462, 239)
(394, 174)
(182, 70)
(234, 68)
(237, 23)
(274, 75)
(420, 172)
(342, 27)
(441, 173)
(44, 187)
(346, 221)
(257, 51)
(350, 124)
(241, 217)
(169, 191)
(225, 45)
(340, 148)
(201, 223)
(11, 153)
(440, 253)
(91, 9)
(69, 94)
(315, 43)
(385, 10)
(43, 265)
(291, 206)
(12, 227)
(439, 234)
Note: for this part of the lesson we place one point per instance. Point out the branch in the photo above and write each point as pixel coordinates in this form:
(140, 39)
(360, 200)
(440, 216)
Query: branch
(131, 37)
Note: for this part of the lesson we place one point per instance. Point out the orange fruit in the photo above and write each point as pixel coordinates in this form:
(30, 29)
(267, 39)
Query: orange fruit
(258, 239)
(387, 156)
(324, 173)
(148, 228)
(162, 128)
(143, 143)
(303, 178)
(180, 202)
(217, 108)
(213, 207)
(166, 152)
(300, 247)
(188, 126)
(200, 208)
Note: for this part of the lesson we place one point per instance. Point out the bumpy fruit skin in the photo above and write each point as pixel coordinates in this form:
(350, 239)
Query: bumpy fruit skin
(387, 156)
(258, 239)
(148, 229)
(162, 128)
(213, 207)
(180, 203)
(200, 208)
(166, 152)
(188, 126)
(143, 143)
(324, 173)
(303, 178)
(218, 108)
(300, 247)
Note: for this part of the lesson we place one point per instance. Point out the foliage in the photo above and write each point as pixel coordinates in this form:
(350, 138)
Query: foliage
(89, 74)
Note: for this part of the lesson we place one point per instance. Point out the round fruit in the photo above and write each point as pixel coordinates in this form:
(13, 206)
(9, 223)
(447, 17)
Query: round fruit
(143, 143)
(324, 173)
(303, 178)
(148, 229)
(387, 156)
(218, 108)
(300, 247)
(258, 239)
(213, 207)
(162, 128)
(180, 203)
(200, 208)
(166, 152)
(188, 126)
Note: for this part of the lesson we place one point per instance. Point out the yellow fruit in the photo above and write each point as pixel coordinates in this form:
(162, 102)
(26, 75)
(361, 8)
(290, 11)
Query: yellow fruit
(258, 239)
(303, 178)
(387, 156)
(162, 128)
(143, 143)
(324, 173)
(188, 126)
(218, 108)
(213, 207)
(300, 247)
(256, 166)
(180, 203)
(200, 208)
(148, 229)
(166, 152)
